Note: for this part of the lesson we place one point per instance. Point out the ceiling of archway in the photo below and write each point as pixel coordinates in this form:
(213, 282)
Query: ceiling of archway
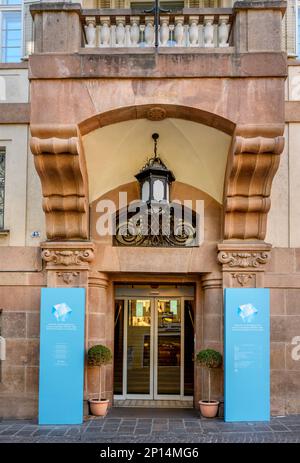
(197, 154)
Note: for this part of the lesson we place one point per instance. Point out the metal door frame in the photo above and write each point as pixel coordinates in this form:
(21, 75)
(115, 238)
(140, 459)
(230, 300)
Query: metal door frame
(153, 395)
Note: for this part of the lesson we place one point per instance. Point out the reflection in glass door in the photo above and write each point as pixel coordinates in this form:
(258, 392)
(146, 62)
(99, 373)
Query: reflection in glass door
(168, 347)
(154, 348)
(139, 349)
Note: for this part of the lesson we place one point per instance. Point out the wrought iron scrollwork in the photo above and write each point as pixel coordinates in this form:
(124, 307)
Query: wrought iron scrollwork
(156, 225)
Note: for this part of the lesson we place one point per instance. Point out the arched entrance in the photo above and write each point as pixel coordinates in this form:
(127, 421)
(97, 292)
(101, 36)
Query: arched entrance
(77, 171)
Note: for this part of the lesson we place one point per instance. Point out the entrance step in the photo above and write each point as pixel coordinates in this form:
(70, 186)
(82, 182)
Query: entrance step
(138, 403)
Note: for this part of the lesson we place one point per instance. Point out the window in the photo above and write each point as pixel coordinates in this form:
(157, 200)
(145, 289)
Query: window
(11, 36)
(10, 2)
(298, 32)
(2, 186)
(11, 30)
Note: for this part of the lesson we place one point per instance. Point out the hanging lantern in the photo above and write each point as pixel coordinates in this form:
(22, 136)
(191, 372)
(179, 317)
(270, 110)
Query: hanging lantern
(155, 178)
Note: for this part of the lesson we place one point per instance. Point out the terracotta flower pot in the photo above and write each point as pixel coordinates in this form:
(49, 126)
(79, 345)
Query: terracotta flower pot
(209, 409)
(98, 407)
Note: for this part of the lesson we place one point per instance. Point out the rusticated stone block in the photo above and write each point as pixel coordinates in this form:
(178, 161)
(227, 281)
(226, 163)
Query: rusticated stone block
(292, 326)
(293, 302)
(20, 298)
(33, 325)
(22, 352)
(13, 379)
(297, 257)
(33, 353)
(291, 359)
(15, 406)
(16, 352)
(278, 329)
(278, 384)
(32, 380)
(13, 324)
(277, 356)
(277, 301)
(277, 406)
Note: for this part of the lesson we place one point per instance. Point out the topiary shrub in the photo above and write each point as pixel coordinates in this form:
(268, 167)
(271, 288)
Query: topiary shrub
(209, 358)
(97, 356)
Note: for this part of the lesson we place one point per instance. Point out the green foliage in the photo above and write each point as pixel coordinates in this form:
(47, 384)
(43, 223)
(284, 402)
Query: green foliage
(209, 358)
(99, 355)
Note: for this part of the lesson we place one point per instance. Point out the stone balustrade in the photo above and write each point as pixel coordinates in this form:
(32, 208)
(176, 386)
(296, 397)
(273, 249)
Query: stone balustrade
(175, 30)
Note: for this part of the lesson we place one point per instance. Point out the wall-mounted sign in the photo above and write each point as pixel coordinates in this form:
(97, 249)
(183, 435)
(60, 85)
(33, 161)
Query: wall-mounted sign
(61, 355)
(247, 354)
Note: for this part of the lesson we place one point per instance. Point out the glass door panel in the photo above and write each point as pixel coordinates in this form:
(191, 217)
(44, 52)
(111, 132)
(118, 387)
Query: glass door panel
(188, 348)
(139, 347)
(168, 346)
(118, 347)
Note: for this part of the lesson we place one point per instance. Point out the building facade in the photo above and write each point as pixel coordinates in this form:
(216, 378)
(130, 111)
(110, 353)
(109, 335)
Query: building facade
(77, 119)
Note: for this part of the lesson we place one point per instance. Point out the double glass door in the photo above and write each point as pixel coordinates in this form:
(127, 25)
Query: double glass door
(157, 348)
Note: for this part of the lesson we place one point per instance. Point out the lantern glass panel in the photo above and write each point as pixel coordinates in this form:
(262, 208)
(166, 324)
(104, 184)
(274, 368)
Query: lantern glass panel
(145, 191)
(158, 190)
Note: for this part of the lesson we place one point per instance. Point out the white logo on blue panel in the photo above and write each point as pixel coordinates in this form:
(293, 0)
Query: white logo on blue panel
(247, 312)
(61, 311)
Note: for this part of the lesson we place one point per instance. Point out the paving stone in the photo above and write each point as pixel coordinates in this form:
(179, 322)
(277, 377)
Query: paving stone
(148, 430)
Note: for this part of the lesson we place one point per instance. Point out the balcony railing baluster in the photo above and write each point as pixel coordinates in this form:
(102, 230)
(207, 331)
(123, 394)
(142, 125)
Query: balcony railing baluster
(186, 30)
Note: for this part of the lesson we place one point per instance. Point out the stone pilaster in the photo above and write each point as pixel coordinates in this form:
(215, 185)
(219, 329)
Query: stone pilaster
(210, 332)
(243, 264)
(100, 330)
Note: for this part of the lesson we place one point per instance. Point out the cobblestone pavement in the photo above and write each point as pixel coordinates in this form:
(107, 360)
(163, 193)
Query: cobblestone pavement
(154, 430)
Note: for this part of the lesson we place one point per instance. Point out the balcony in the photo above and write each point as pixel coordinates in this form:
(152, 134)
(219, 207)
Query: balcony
(126, 29)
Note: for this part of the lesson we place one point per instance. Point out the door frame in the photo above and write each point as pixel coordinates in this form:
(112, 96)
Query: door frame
(153, 296)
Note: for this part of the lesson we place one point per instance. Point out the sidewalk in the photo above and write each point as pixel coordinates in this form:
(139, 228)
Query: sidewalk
(155, 426)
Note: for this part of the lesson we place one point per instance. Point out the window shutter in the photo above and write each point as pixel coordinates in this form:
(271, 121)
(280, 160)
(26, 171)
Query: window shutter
(103, 4)
(28, 38)
(203, 3)
(289, 33)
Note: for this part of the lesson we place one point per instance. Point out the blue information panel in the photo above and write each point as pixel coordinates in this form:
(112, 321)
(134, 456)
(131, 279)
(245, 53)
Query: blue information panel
(247, 354)
(61, 356)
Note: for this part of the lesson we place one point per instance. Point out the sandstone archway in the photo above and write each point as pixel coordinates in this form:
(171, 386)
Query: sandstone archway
(252, 162)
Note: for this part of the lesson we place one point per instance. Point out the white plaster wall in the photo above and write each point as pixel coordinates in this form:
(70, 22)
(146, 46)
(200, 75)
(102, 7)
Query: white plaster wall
(15, 138)
(278, 217)
(14, 86)
(293, 83)
(35, 218)
(294, 186)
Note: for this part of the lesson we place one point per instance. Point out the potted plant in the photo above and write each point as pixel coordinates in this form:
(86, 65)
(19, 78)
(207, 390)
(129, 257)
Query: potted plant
(97, 357)
(209, 359)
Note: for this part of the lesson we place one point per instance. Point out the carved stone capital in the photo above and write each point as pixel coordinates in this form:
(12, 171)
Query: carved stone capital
(71, 255)
(98, 280)
(239, 257)
(211, 281)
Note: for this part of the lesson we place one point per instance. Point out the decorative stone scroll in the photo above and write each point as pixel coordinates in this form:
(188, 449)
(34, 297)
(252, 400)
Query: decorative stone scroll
(243, 259)
(60, 164)
(68, 257)
(250, 172)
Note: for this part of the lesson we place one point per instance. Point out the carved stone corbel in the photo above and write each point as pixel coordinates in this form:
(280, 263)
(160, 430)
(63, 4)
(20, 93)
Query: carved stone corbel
(252, 165)
(60, 164)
